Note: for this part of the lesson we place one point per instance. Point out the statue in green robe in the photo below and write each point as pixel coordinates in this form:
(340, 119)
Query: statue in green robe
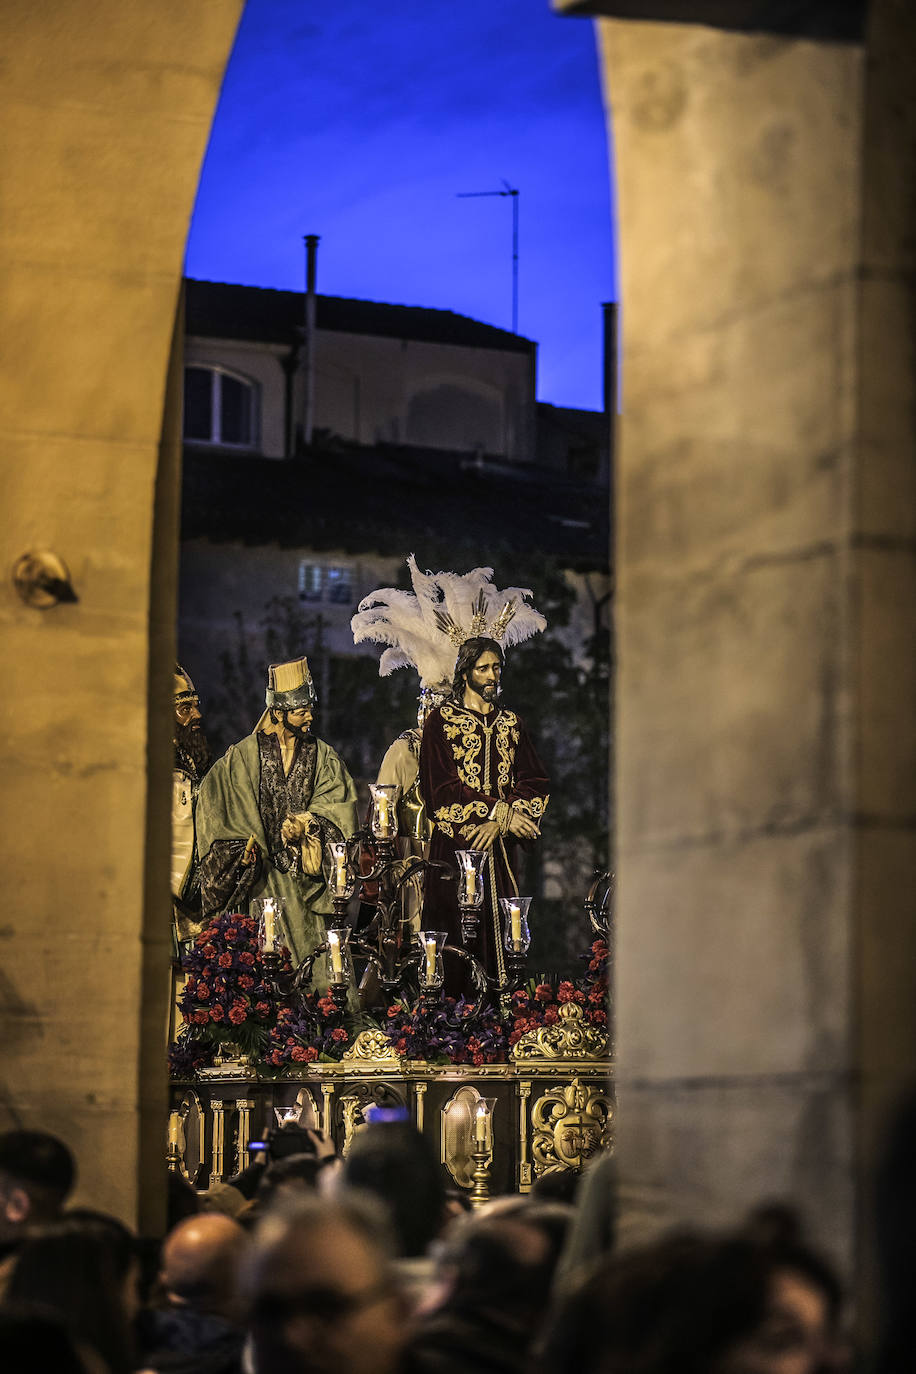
(268, 807)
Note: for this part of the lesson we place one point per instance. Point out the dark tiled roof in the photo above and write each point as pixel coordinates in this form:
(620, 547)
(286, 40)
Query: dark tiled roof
(216, 310)
(388, 500)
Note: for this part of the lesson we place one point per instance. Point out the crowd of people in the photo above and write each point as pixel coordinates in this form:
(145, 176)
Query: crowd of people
(309, 1264)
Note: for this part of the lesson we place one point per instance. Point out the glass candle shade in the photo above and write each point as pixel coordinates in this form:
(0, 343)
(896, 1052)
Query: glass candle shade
(384, 819)
(287, 1116)
(432, 973)
(268, 912)
(483, 1123)
(517, 936)
(471, 865)
(340, 965)
(341, 878)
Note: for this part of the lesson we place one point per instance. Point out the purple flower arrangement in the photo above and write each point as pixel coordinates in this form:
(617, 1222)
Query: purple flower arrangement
(447, 1033)
(315, 1030)
(228, 997)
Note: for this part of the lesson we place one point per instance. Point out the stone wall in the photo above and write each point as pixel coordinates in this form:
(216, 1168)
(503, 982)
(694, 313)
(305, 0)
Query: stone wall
(767, 673)
(106, 111)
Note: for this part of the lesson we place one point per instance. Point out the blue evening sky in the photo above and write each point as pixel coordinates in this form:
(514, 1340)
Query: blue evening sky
(360, 121)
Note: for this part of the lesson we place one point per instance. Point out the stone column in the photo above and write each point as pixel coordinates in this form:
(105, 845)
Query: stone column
(766, 559)
(106, 110)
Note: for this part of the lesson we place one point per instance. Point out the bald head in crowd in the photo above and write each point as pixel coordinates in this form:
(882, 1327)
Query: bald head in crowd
(322, 1292)
(200, 1264)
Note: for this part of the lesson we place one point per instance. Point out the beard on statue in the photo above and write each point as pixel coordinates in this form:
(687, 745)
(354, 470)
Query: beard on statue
(191, 746)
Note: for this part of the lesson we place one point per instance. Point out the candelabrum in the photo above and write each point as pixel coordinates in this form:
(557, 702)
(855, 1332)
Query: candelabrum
(516, 938)
(395, 962)
(471, 868)
(482, 1153)
(599, 904)
(272, 936)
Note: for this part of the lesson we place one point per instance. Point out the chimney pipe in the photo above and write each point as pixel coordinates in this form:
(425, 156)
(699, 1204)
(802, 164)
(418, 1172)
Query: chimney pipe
(609, 309)
(308, 350)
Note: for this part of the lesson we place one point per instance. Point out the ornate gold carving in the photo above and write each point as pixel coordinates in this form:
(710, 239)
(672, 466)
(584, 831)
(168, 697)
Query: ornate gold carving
(457, 1134)
(230, 1065)
(571, 1037)
(570, 1123)
(351, 1114)
(327, 1113)
(218, 1156)
(371, 1045)
(524, 1163)
(245, 1107)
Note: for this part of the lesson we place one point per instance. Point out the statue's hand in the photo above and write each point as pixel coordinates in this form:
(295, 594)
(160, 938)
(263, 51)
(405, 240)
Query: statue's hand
(311, 855)
(482, 836)
(291, 830)
(523, 826)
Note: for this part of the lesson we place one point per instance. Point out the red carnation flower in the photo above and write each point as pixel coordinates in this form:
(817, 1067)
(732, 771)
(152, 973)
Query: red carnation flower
(246, 981)
(401, 1045)
(551, 1015)
(304, 1054)
(565, 992)
(339, 1035)
(232, 933)
(237, 1015)
(225, 960)
(477, 1059)
(579, 996)
(276, 1057)
(598, 1017)
(246, 957)
(203, 991)
(216, 1013)
(208, 951)
(393, 1011)
(544, 992)
(200, 1018)
(262, 1008)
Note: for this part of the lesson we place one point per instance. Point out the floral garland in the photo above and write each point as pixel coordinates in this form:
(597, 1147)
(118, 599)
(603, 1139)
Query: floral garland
(227, 997)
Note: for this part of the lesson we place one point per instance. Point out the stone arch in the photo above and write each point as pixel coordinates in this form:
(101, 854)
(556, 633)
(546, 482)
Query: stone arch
(106, 110)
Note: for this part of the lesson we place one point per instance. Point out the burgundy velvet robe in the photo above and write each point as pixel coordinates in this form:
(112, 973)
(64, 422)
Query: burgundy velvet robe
(468, 763)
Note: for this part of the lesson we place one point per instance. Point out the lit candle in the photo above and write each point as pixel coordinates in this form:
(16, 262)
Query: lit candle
(480, 1133)
(270, 926)
(515, 922)
(334, 950)
(470, 884)
(430, 960)
(384, 816)
(174, 1129)
(341, 862)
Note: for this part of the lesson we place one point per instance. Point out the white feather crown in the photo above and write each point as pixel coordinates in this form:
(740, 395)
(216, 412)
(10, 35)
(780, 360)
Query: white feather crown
(425, 628)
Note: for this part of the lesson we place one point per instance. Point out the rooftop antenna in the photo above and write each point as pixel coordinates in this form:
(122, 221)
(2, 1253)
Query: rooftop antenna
(511, 191)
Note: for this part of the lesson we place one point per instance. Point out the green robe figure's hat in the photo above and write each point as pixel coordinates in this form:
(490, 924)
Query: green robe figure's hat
(290, 686)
